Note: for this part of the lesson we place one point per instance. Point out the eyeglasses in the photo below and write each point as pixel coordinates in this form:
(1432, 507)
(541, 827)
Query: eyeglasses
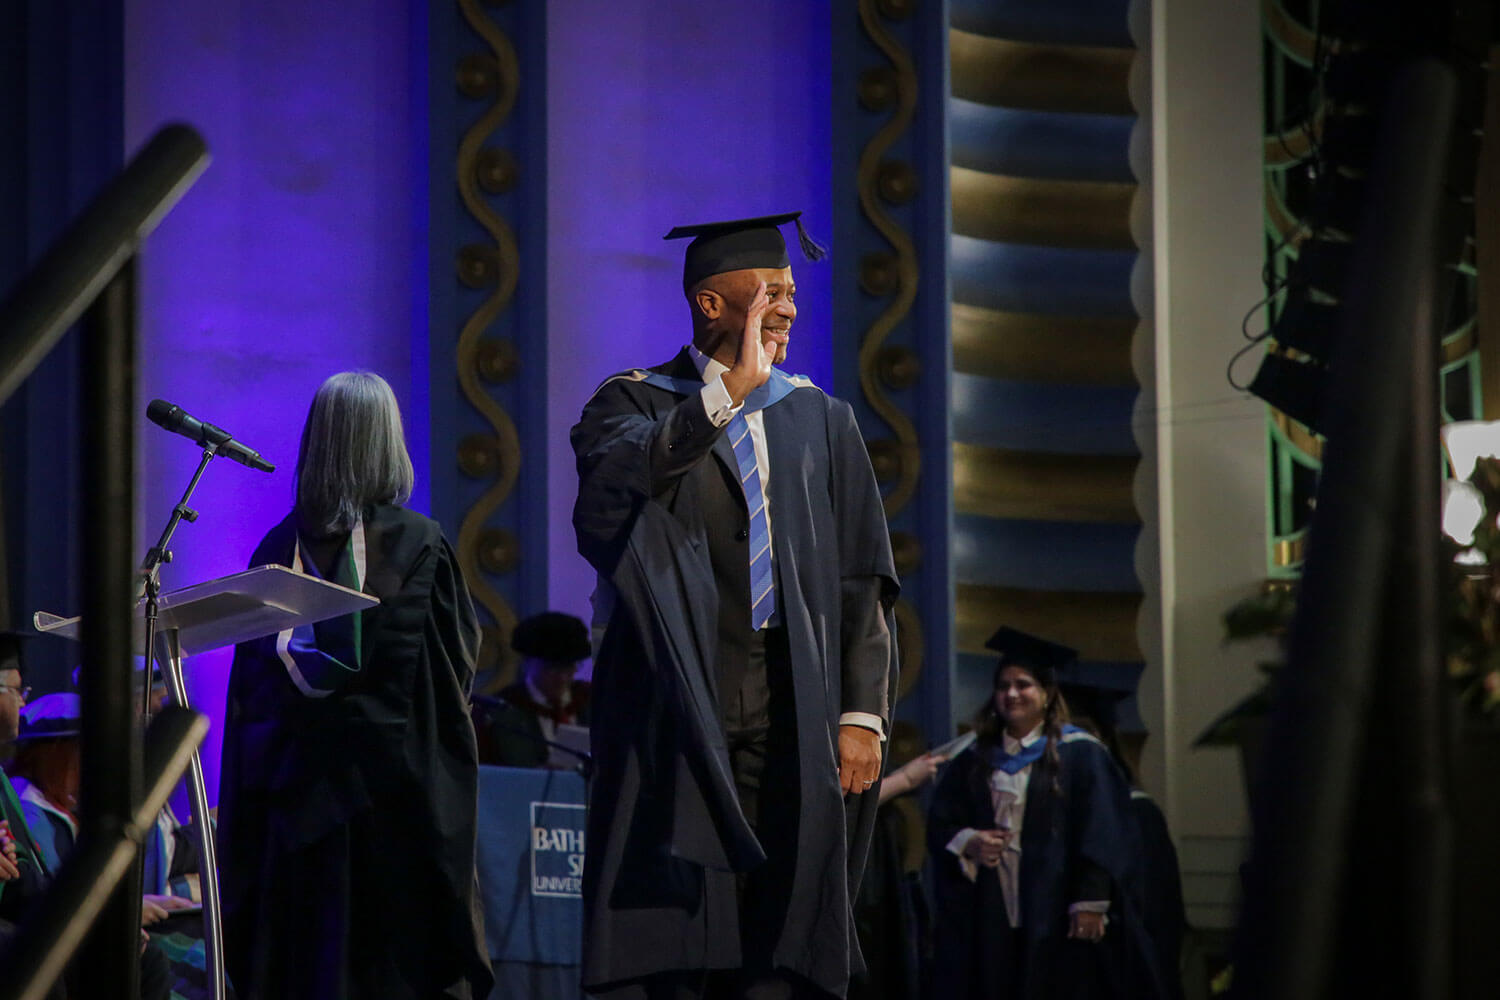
(21, 692)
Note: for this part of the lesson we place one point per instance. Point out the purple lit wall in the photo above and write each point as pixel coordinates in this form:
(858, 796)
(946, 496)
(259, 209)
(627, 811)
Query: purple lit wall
(290, 259)
(300, 251)
(663, 112)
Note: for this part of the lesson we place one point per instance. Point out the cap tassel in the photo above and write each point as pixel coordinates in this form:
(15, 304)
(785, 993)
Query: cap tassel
(811, 248)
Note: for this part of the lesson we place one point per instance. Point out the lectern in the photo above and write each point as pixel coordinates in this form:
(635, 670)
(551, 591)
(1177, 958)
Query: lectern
(235, 608)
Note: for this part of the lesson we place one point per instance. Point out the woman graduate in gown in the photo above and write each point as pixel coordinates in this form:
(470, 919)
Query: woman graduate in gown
(347, 798)
(1034, 851)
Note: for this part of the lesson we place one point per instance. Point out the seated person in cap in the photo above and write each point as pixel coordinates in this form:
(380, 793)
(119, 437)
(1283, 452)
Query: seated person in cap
(23, 874)
(23, 877)
(551, 645)
(1034, 848)
(46, 775)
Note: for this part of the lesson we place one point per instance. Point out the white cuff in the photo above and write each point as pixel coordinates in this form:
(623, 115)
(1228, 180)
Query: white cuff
(1090, 906)
(960, 840)
(717, 402)
(864, 720)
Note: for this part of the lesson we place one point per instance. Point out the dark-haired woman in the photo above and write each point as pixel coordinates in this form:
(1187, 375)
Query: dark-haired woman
(1035, 856)
(347, 800)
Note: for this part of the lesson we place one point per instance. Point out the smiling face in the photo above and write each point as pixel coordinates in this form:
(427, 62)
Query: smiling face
(722, 300)
(1020, 701)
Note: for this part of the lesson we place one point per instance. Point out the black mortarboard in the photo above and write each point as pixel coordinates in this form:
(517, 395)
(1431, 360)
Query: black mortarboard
(740, 243)
(10, 649)
(552, 635)
(1043, 658)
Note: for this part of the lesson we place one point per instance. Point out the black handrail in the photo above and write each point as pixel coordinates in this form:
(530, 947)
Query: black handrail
(89, 268)
(53, 295)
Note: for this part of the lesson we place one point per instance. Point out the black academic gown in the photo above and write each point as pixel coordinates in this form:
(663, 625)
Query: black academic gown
(666, 833)
(515, 731)
(1162, 909)
(1067, 842)
(347, 822)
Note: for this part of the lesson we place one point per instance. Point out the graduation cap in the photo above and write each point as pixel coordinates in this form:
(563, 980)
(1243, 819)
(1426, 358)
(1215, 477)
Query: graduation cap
(739, 244)
(552, 635)
(10, 648)
(1043, 658)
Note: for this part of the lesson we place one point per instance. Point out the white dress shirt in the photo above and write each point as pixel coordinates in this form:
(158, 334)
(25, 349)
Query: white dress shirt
(720, 408)
(1008, 798)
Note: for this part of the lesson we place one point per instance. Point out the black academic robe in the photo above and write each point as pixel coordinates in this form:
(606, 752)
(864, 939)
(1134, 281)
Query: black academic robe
(1068, 841)
(347, 822)
(890, 916)
(658, 490)
(515, 736)
(19, 894)
(1162, 909)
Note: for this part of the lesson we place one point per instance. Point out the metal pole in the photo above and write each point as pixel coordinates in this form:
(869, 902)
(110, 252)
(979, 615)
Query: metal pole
(111, 766)
(170, 655)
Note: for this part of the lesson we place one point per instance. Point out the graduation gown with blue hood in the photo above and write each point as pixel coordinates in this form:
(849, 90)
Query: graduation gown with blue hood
(1078, 842)
(657, 492)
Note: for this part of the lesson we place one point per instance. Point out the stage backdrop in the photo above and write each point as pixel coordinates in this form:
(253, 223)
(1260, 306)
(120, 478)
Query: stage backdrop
(305, 248)
(663, 112)
(290, 260)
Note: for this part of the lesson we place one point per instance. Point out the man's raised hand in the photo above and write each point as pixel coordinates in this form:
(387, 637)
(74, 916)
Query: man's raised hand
(752, 363)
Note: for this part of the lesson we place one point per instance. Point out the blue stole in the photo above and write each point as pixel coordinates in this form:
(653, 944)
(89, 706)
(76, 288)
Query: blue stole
(773, 391)
(1012, 763)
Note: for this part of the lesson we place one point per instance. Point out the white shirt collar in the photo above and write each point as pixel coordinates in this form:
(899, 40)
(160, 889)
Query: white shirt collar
(540, 699)
(709, 368)
(1015, 746)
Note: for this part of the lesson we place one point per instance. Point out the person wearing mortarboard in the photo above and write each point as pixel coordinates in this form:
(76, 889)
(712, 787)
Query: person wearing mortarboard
(546, 696)
(46, 773)
(23, 872)
(744, 676)
(1035, 854)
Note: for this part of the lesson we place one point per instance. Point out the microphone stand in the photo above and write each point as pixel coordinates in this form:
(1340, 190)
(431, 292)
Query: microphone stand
(149, 584)
(585, 765)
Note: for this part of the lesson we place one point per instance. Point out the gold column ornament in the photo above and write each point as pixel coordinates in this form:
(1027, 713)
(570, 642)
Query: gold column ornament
(494, 454)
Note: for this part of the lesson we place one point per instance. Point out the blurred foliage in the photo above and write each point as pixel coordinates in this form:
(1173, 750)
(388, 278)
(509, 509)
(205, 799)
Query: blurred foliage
(1265, 614)
(1473, 635)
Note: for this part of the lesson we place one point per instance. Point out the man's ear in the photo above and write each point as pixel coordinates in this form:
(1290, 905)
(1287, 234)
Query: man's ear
(709, 302)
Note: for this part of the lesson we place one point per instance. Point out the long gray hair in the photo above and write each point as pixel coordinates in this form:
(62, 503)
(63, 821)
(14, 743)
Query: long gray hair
(353, 453)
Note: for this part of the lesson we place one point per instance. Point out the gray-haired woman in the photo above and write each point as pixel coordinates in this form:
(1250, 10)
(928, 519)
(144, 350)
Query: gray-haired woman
(347, 796)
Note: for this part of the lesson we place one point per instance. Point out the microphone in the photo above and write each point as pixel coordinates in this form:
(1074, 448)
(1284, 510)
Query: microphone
(178, 421)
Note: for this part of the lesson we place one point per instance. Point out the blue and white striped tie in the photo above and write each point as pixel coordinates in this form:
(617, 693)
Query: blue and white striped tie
(762, 585)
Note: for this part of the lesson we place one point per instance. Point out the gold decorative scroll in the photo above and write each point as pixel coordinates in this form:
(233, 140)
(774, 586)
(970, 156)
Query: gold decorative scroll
(1038, 486)
(1038, 77)
(1035, 347)
(1075, 214)
(1099, 624)
(505, 256)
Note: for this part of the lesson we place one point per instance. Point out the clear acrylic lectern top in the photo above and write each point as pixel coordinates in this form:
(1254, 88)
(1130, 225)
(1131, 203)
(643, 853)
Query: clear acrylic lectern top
(236, 608)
